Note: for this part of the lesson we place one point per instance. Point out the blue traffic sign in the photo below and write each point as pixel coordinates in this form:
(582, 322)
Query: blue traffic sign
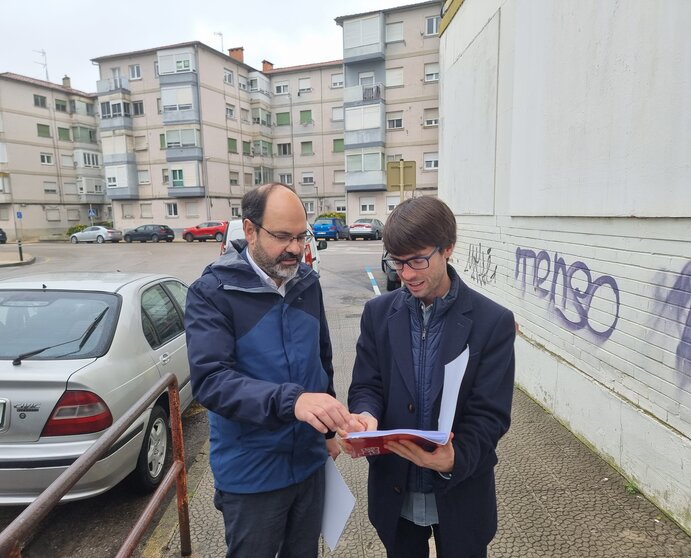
(92, 212)
(19, 214)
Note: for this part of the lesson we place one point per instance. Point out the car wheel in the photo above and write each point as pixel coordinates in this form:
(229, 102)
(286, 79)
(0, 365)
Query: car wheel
(152, 457)
(154, 238)
(189, 237)
(169, 240)
(336, 238)
(99, 239)
(74, 240)
(128, 238)
(219, 237)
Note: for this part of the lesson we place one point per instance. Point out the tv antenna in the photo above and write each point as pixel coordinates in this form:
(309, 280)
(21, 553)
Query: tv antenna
(44, 63)
(219, 34)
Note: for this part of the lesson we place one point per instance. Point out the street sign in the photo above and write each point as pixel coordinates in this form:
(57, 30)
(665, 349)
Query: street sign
(92, 212)
(393, 175)
(19, 214)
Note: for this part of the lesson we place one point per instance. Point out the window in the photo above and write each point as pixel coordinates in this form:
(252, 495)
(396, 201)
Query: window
(363, 118)
(127, 210)
(247, 148)
(46, 158)
(307, 178)
(366, 78)
(138, 108)
(52, 214)
(282, 118)
(340, 206)
(361, 32)
(304, 85)
(394, 120)
(165, 177)
(161, 322)
(281, 88)
(337, 114)
(394, 32)
(338, 145)
(432, 25)
(234, 178)
(172, 209)
(261, 116)
(60, 105)
(432, 72)
(50, 187)
(253, 84)
(336, 80)
(309, 206)
(140, 143)
(263, 148)
(81, 134)
(135, 71)
(159, 108)
(242, 82)
(305, 117)
(177, 98)
(230, 111)
(182, 138)
(339, 177)
(394, 77)
(286, 178)
(156, 72)
(112, 181)
(178, 180)
(232, 145)
(191, 209)
(146, 210)
(367, 161)
(391, 202)
(248, 179)
(143, 176)
(235, 212)
(366, 205)
(228, 77)
(40, 101)
(67, 161)
(244, 115)
(182, 65)
(90, 159)
(73, 215)
(43, 130)
(432, 117)
(162, 137)
(306, 148)
(105, 110)
(64, 134)
(283, 149)
(431, 161)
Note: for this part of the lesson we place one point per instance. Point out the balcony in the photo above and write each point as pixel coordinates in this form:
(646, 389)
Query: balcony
(371, 137)
(191, 153)
(112, 84)
(186, 191)
(365, 181)
(363, 93)
(116, 123)
(92, 197)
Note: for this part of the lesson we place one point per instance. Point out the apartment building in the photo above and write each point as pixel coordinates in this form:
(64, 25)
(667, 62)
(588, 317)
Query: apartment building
(391, 103)
(51, 174)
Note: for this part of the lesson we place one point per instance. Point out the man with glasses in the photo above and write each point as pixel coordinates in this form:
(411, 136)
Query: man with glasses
(406, 338)
(260, 362)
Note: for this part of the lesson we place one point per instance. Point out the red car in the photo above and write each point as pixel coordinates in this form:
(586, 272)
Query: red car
(211, 230)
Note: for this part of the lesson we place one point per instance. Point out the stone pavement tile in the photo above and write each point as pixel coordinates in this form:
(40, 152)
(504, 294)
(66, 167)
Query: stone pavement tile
(510, 541)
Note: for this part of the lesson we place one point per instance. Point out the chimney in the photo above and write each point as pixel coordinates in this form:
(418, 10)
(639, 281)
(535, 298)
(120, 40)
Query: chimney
(267, 66)
(66, 82)
(238, 53)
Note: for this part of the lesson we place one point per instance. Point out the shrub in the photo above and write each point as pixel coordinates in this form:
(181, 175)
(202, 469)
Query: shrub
(74, 229)
(333, 215)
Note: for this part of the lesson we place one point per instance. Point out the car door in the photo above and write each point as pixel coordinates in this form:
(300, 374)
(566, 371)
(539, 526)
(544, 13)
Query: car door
(89, 234)
(162, 321)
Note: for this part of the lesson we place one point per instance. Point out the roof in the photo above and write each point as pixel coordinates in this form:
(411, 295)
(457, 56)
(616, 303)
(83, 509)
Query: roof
(46, 84)
(99, 281)
(313, 66)
(339, 20)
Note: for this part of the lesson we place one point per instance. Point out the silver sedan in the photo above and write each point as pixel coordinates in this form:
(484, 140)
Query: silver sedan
(77, 350)
(96, 234)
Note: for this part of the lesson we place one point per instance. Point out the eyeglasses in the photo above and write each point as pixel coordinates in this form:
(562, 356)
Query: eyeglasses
(287, 238)
(418, 262)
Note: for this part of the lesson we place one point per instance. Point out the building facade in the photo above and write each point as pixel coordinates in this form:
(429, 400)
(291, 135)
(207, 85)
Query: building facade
(51, 168)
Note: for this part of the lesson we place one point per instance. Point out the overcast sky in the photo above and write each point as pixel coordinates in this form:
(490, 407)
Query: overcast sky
(73, 32)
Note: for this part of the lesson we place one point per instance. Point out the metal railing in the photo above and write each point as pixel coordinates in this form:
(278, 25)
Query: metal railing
(13, 538)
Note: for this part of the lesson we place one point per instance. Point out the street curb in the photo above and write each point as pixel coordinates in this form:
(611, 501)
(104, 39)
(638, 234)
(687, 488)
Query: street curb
(159, 542)
(29, 260)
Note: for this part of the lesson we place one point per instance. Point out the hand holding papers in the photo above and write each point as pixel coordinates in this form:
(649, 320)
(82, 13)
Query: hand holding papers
(372, 442)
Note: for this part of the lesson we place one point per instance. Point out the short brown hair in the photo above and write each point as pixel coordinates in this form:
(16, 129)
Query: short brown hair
(419, 223)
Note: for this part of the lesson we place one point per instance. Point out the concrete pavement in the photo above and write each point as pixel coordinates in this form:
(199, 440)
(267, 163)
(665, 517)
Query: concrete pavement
(9, 256)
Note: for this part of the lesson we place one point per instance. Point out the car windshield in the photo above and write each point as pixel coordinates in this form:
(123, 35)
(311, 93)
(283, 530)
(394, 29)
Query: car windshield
(366, 221)
(33, 320)
(323, 222)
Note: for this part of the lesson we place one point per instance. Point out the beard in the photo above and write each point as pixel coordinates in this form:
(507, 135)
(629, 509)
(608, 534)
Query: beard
(273, 267)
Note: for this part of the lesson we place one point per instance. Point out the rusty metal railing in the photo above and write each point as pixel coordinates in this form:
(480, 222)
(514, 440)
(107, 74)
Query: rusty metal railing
(13, 538)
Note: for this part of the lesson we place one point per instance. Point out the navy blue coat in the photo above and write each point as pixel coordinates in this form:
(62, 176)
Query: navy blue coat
(384, 385)
(252, 353)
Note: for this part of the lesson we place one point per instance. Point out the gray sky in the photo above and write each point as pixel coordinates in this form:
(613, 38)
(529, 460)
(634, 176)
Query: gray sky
(73, 32)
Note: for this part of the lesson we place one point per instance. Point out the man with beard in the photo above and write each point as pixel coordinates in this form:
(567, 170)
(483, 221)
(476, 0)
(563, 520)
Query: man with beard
(260, 361)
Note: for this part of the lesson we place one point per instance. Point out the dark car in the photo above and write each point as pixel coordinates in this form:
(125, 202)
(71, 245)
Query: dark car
(3, 237)
(152, 233)
(211, 230)
(393, 281)
(370, 229)
(330, 228)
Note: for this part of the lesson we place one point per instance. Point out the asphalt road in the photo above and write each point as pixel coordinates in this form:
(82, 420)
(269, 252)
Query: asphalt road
(98, 526)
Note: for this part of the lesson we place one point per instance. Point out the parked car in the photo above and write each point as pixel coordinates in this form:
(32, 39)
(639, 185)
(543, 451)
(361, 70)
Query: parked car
(77, 350)
(96, 234)
(311, 258)
(367, 229)
(330, 228)
(211, 230)
(393, 281)
(3, 237)
(154, 233)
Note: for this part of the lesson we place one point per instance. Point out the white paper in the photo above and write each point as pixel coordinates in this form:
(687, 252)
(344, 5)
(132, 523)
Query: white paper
(338, 504)
(453, 376)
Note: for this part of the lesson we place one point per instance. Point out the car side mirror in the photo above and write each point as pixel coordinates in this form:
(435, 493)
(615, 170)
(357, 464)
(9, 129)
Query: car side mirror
(321, 245)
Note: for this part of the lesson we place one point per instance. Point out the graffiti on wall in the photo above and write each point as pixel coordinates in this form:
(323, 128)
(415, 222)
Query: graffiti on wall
(480, 265)
(673, 304)
(573, 291)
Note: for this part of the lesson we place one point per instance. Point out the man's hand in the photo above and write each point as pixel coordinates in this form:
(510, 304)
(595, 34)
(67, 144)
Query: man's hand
(333, 448)
(365, 422)
(441, 459)
(323, 413)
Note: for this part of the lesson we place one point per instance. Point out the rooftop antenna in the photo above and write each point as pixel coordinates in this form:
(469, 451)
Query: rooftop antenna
(44, 63)
(218, 33)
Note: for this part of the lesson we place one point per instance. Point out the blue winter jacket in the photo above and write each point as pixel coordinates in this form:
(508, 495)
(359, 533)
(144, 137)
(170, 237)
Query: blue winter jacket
(252, 352)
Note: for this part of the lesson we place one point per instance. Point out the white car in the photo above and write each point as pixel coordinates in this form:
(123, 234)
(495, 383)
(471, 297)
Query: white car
(311, 258)
(77, 350)
(96, 234)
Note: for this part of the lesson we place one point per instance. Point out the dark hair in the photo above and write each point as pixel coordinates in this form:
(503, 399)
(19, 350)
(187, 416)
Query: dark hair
(419, 223)
(254, 202)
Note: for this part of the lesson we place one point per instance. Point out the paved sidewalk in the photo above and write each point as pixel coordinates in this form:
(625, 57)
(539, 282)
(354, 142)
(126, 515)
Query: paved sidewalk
(9, 256)
(556, 498)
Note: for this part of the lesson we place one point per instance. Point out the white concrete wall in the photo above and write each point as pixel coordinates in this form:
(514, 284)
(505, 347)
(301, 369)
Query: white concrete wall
(565, 154)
